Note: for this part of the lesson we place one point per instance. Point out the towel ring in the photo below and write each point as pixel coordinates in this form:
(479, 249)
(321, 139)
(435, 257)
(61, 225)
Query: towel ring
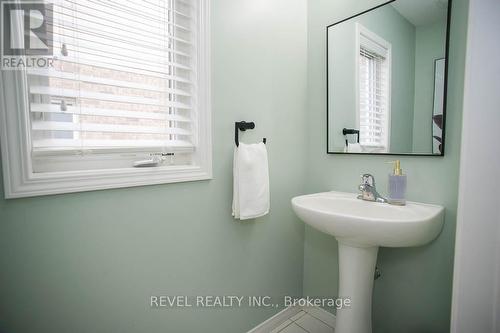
(243, 126)
(346, 131)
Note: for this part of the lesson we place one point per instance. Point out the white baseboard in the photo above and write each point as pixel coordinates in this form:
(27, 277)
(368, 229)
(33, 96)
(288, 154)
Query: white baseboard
(282, 316)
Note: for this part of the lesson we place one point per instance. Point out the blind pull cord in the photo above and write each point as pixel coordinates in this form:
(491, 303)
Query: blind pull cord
(64, 50)
(64, 106)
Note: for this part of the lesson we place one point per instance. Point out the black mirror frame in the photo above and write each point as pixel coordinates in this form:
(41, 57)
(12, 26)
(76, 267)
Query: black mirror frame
(445, 88)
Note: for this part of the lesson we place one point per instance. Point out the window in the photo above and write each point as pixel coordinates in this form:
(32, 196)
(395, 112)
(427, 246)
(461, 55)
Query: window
(374, 63)
(129, 82)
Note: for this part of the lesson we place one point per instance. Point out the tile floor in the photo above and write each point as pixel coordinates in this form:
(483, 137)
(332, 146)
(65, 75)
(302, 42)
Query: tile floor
(304, 322)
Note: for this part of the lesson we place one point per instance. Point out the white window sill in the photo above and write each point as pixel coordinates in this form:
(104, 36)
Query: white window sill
(70, 182)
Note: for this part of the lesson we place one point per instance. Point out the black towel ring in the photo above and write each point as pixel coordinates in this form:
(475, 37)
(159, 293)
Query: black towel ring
(243, 126)
(346, 131)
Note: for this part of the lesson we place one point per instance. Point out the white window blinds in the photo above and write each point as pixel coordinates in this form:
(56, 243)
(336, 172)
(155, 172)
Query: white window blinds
(124, 78)
(373, 95)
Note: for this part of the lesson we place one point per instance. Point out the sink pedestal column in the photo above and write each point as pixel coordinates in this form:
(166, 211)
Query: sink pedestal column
(356, 271)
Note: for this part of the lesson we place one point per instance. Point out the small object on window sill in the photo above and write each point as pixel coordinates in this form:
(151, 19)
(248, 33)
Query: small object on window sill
(146, 163)
(154, 161)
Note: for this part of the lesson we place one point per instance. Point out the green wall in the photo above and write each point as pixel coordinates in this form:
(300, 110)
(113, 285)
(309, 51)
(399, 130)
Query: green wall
(88, 262)
(429, 47)
(414, 292)
(387, 23)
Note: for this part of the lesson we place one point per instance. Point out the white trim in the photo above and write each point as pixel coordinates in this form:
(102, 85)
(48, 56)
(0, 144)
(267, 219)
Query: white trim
(282, 316)
(476, 270)
(19, 179)
(360, 31)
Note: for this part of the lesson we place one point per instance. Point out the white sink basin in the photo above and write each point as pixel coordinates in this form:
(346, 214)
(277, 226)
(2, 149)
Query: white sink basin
(365, 223)
(360, 227)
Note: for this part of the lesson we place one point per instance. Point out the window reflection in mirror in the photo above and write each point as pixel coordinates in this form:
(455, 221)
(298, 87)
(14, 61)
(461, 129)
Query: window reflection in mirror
(386, 79)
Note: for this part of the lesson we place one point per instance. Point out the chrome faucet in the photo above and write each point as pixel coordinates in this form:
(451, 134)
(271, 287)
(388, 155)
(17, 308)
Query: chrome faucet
(368, 189)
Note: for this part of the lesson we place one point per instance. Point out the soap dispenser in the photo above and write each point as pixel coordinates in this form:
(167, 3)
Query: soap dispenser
(397, 186)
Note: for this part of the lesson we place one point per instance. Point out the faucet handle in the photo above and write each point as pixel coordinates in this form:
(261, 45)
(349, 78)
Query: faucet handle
(368, 179)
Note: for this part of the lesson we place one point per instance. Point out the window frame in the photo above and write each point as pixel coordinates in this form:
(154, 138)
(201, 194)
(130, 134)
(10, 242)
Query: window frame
(19, 178)
(363, 32)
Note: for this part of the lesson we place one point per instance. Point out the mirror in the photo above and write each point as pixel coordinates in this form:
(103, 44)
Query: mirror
(386, 83)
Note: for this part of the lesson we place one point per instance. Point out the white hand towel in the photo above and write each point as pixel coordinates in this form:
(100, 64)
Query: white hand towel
(251, 181)
(353, 148)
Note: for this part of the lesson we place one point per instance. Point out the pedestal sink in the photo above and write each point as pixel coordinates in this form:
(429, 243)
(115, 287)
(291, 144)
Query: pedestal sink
(360, 228)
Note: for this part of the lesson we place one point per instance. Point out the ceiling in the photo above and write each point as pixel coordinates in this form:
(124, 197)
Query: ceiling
(422, 12)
